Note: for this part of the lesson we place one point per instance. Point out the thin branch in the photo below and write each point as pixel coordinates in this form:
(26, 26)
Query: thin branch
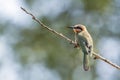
(97, 56)
(51, 30)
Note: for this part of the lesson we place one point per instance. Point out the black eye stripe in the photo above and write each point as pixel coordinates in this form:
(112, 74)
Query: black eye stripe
(77, 28)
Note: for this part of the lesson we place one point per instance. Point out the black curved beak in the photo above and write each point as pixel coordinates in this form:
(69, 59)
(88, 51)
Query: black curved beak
(71, 27)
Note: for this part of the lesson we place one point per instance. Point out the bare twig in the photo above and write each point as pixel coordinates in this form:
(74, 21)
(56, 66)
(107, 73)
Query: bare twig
(106, 60)
(60, 34)
(97, 56)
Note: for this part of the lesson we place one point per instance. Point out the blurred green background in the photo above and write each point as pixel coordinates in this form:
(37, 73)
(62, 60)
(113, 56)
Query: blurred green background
(30, 52)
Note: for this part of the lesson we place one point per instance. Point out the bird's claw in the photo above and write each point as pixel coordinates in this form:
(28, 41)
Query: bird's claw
(76, 45)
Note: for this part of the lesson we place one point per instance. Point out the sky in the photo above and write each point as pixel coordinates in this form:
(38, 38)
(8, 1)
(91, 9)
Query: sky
(110, 50)
(10, 69)
(10, 11)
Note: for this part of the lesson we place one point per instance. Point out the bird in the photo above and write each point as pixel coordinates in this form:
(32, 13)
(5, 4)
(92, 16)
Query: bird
(85, 42)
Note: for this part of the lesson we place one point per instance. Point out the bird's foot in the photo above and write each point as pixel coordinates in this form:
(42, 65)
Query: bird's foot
(76, 45)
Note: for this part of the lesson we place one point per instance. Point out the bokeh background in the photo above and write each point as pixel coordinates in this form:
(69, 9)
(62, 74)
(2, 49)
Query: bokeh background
(30, 52)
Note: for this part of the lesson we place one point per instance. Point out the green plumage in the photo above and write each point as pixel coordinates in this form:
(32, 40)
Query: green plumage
(86, 62)
(81, 40)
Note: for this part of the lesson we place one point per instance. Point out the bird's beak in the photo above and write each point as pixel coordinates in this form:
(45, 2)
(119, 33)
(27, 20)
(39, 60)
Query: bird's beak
(71, 27)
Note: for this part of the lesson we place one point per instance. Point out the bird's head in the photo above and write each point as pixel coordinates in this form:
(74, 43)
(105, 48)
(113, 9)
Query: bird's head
(78, 28)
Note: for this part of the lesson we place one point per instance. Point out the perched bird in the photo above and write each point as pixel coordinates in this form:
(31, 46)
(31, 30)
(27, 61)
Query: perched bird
(84, 40)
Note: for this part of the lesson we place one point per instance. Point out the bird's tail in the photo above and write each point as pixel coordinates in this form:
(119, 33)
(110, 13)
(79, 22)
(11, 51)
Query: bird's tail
(86, 62)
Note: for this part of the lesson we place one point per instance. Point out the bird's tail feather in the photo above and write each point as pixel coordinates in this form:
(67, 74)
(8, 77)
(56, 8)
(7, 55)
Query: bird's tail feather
(86, 62)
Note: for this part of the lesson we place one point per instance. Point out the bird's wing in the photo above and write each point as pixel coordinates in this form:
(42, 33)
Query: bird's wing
(82, 42)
